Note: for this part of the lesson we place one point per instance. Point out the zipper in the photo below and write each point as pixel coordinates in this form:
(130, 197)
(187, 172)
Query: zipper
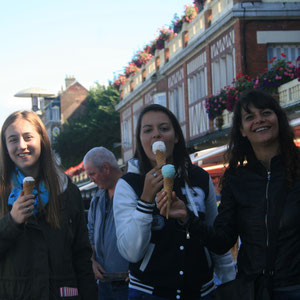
(267, 210)
(187, 234)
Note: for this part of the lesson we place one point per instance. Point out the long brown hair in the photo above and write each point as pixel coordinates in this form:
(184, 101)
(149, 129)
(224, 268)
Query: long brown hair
(181, 157)
(240, 148)
(47, 167)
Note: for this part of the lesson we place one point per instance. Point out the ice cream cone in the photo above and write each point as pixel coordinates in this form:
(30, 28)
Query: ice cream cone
(168, 188)
(28, 185)
(160, 157)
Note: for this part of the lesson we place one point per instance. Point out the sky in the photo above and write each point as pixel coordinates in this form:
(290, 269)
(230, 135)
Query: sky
(43, 41)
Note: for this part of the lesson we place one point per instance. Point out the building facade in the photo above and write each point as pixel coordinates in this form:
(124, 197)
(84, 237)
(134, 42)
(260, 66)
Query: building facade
(226, 38)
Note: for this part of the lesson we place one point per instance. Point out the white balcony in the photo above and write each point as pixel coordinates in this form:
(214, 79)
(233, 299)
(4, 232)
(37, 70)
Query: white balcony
(289, 93)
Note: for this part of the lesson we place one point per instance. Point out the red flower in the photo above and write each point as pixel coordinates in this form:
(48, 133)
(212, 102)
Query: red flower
(282, 54)
(239, 75)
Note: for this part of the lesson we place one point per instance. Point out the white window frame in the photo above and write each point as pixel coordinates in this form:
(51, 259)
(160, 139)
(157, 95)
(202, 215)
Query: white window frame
(126, 134)
(292, 51)
(223, 71)
(176, 102)
(55, 114)
(197, 83)
(160, 98)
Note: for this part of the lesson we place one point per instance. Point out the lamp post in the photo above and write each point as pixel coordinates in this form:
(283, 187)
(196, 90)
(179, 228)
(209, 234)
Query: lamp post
(34, 94)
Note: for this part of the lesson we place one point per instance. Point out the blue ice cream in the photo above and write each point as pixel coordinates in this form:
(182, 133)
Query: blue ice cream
(168, 171)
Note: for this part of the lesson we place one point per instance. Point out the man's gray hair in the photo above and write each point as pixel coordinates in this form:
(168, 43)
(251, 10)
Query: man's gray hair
(100, 155)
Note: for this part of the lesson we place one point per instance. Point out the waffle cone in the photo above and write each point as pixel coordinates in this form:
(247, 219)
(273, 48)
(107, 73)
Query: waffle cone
(160, 157)
(168, 188)
(28, 187)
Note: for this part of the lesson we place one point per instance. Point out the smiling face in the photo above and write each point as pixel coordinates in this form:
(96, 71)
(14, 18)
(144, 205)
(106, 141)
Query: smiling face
(260, 126)
(23, 144)
(156, 126)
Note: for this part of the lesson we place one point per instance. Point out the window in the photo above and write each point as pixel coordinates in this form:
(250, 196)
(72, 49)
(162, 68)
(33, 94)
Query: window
(160, 98)
(55, 113)
(176, 102)
(292, 51)
(197, 84)
(126, 134)
(223, 71)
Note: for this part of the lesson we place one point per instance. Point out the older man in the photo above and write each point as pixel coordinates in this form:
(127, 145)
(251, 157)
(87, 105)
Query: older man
(109, 267)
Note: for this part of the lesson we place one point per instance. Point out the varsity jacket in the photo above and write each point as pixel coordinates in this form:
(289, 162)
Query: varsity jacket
(249, 198)
(165, 259)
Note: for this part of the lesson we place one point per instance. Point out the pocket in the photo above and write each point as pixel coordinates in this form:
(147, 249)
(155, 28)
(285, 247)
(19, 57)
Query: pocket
(13, 289)
(237, 289)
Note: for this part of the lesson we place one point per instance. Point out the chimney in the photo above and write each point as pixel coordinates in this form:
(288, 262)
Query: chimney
(69, 81)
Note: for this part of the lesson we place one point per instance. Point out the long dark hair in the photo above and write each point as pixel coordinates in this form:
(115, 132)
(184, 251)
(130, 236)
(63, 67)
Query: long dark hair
(181, 157)
(240, 148)
(47, 170)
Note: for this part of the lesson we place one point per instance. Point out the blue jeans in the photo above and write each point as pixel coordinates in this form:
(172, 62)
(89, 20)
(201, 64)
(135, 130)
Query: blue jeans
(138, 295)
(111, 291)
(286, 295)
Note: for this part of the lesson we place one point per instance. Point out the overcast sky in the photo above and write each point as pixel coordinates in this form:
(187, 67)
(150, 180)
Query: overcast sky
(44, 41)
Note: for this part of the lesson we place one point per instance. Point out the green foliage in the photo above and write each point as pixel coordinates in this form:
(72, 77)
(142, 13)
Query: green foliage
(98, 126)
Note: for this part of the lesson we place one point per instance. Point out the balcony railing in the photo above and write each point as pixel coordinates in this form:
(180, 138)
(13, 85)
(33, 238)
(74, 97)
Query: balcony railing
(192, 30)
(289, 93)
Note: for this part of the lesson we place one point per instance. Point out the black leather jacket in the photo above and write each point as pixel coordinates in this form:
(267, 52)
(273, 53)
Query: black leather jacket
(247, 210)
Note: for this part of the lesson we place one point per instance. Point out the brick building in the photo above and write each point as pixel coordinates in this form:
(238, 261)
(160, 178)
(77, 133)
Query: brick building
(72, 100)
(68, 104)
(227, 37)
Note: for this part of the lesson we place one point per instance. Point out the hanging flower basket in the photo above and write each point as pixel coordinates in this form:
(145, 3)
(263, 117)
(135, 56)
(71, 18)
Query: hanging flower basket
(215, 105)
(165, 34)
(131, 70)
(200, 4)
(121, 80)
(190, 13)
(176, 24)
(281, 72)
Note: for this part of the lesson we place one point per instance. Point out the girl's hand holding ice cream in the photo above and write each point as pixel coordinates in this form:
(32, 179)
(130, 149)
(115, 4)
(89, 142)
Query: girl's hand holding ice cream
(177, 209)
(23, 207)
(153, 184)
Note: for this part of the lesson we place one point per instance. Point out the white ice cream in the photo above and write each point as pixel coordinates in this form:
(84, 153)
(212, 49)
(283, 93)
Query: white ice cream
(28, 178)
(159, 145)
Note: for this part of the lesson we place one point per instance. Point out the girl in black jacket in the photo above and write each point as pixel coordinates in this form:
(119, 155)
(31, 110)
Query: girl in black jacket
(44, 247)
(261, 185)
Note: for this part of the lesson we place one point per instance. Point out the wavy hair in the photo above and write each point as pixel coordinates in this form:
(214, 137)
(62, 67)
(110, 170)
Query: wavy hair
(181, 157)
(240, 148)
(48, 169)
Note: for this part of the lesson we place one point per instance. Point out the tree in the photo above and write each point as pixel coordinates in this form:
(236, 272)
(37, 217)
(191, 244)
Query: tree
(98, 126)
